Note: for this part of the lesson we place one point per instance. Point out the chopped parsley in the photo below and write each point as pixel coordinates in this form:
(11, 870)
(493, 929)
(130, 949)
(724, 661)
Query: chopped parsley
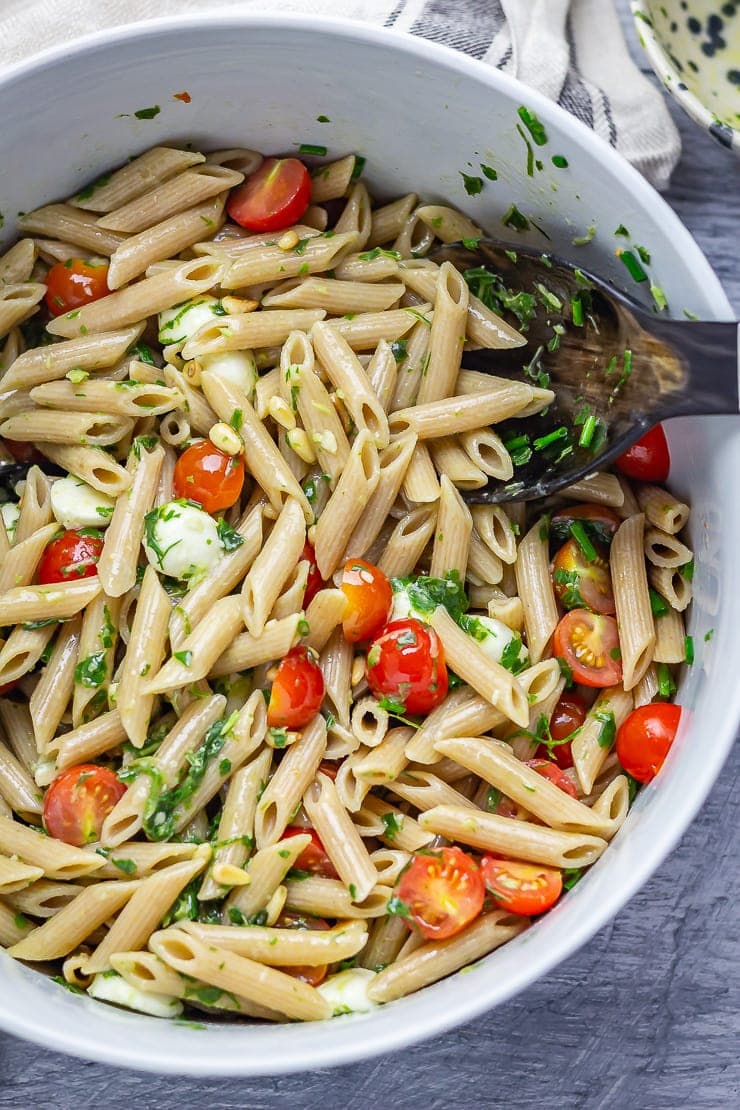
(658, 605)
(392, 825)
(400, 350)
(533, 125)
(148, 113)
(473, 184)
(91, 671)
(313, 148)
(397, 908)
(608, 732)
(425, 594)
(228, 537)
(560, 161)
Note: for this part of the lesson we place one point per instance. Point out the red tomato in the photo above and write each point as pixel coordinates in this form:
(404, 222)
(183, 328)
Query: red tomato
(308, 973)
(314, 582)
(604, 522)
(313, 858)
(297, 691)
(526, 888)
(550, 771)
(75, 283)
(406, 664)
(589, 644)
(580, 583)
(648, 459)
(568, 715)
(369, 600)
(274, 197)
(72, 555)
(78, 802)
(8, 686)
(23, 452)
(206, 474)
(443, 892)
(644, 738)
(330, 768)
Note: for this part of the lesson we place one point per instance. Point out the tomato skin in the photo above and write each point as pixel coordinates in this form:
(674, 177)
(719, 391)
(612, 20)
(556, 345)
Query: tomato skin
(313, 858)
(406, 662)
(272, 198)
(645, 737)
(552, 772)
(78, 801)
(75, 283)
(578, 582)
(605, 519)
(443, 890)
(647, 460)
(369, 600)
(568, 715)
(71, 556)
(8, 686)
(525, 888)
(297, 690)
(588, 642)
(311, 974)
(206, 474)
(314, 582)
(23, 452)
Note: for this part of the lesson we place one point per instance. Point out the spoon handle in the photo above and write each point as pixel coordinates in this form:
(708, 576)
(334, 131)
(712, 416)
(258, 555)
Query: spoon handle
(710, 352)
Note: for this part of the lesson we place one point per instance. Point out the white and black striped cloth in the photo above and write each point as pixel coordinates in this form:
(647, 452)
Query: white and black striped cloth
(573, 51)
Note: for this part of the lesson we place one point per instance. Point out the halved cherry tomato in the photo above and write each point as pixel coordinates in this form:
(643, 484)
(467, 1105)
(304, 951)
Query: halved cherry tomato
(23, 452)
(369, 600)
(568, 715)
(406, 665)
(589, 644)
(75, 283)
(648, 459)
(601, 523)
(314, 582)
(274, 197)
(330, 767)
(550, 771)
(580, 583)
(8, 686)
(206, 474)
(443, 892)
(78, 802)
(313, 858)
(645, 737)
(313, 974)
(72, 555)
(297, 691)
(525, 888)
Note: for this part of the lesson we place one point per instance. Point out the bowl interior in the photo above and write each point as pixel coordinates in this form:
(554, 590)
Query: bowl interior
(424, 118)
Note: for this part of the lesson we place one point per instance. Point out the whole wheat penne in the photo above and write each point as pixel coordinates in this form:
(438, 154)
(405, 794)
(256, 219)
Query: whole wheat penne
(118, 561)
(288, 785)
(62, 221)
(134, 179)
(350, 380)
(347, 503)
(246, 651)
(45, 364)
(192, 186)
(92, 464)
(56, 859)
(62, 933)
(407, 542)
(144, 655)
(55, 687)
(343, 843)
(125, 398)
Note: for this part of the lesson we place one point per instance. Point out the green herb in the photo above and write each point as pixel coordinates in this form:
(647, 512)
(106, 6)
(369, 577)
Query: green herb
(352, 892)
(186, 906)
(184, 657)
(379, 252)
(228, 537)
(533, 125)
(490, 289)
(31, 626)
(360, 163)
(236, 917)
(571, 595)
(622, 230)
(400, 350)
(310, 486)
(644, 254)
(634, 268)
(323, 119)
(67, 986)
(470, 244)
(515, 219)
(493, 799)
(708, 635)
(548, 297)
(236, 419)
(659, 297)
(584, 240)
(143, 353)
(666, 685)
(148, 113)
(633, 787)
(126, 865)
(392, 705)
(544, 530)
(576, 310)
(511, 656)
(88, 191)
(489, 172)
(392, 825)
(580, 535)
(425, 594)
(588, 431)
(303, 628)
(571, 875)
(77, 375)
(687, 570)
(560, 161)
(615, 653)
(689, 649)
(566, 671)
(658, 605)
(20, 921)
(313, 148)
(278, 737)
(92, 671)
(542, 442)
(143, 443)
(530, 152)
(608, 732)
(397, 908)
(473, 185)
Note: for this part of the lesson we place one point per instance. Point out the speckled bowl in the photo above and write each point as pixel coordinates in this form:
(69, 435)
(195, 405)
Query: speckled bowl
(694, 47)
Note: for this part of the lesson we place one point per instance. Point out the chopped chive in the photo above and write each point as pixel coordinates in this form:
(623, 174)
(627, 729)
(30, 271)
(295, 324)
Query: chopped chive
(515, 219)
(548, 297)
(554, 342)
(689, 314)
(313, 148)
(628, 259)
(587, 432)
(470, 244)
(360, 163)
(644, 254)
(560, 161)
(580, 535)
(689, 649)
(576, 310)
(582, 279)
(518, 441)
(687, 570)
(666, 685)
(659, 297)
(583, 240)
(658, 604)
(542, 442)
(530, 152)
(533, 125)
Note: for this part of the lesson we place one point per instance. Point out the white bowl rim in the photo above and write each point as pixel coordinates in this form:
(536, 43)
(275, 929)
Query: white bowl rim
(663, 66)
(353, 1038)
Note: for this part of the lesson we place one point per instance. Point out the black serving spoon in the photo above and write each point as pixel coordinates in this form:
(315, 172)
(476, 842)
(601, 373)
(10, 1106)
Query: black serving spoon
(616, 368)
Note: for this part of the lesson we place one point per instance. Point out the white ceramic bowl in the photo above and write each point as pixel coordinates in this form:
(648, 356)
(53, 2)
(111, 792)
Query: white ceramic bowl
(420, 114)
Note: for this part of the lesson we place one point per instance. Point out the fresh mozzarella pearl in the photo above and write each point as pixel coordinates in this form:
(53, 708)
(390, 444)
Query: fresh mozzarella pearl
(182, 540)
(77, 505)
(347, 990)
(180, 323)
(10, 513)
(237, 367)
(493, 636)
(113, 988)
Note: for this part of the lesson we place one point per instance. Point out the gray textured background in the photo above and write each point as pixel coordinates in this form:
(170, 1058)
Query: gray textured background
(646, 1016)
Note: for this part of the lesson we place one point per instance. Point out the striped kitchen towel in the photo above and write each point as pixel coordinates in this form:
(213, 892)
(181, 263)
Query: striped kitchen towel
(573, 51)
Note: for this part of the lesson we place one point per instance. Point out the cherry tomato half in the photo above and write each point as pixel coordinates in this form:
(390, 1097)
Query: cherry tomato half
(525, 888)
(601, 523)
(206, 474)
(297, 691)
(22, 451)
(406, 664)
(648, 459)
(72, 555)
(580, 583)
(645, 737)
(550, 771)
(78, 802)
(75, 283)
(369, 600)
(568, 715)
(274, 197)
(314, 582)
(589, 644)
(443, 892)
(313, 858)
(8, 686)
(312, 974)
